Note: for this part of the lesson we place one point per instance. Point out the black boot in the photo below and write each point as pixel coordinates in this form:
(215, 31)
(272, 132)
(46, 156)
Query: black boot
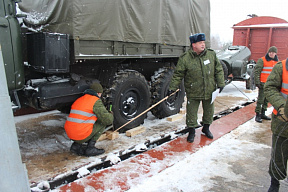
(191, 135)
(92, 150)
(258, 118)
(77, 148)
(263, 116)
(275, 185)
(206, 131)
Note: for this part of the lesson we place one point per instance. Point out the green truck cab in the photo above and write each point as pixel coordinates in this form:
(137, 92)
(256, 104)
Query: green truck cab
(11, 43)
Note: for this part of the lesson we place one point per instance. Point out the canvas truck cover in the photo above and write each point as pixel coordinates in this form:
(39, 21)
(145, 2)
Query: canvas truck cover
(168, 22)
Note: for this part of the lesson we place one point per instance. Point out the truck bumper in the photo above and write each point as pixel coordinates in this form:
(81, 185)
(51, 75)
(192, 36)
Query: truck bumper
(52, 95)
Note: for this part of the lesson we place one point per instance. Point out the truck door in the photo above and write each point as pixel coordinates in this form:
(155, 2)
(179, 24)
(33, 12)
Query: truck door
(10, 41)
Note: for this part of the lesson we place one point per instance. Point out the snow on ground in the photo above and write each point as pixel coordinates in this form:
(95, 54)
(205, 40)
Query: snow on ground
(233, 94)
(22, 118)
(211, 161)
(195, 172)
(200, 171)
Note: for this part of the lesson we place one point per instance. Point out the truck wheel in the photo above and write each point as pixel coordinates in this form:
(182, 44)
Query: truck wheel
(130, 96)
(250, 83)
(225, 69)
(159, 87)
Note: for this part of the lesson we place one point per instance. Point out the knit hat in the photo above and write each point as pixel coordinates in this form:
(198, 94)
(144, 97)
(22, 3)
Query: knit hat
(97, 87)
(197, 37)
(272, 49)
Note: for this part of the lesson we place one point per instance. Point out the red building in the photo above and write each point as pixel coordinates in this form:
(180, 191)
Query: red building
(260, 33)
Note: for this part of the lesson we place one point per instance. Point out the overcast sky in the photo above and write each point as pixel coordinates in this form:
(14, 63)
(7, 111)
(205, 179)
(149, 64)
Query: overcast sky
(226, 13)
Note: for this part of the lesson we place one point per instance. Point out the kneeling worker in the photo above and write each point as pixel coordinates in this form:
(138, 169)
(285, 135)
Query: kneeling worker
(87, 120)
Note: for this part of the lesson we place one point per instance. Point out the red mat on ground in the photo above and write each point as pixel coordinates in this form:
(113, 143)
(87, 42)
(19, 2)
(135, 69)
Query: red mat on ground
(151, 162)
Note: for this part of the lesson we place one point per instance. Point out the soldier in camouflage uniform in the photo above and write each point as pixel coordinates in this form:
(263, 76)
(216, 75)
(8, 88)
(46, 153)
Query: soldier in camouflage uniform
(202, 74)
(87, 120)
(276, 91)
(263, 68)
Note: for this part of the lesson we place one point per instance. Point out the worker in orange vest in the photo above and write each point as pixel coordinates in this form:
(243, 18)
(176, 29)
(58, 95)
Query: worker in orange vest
(263, 69)
(276, 91)
(87, 120)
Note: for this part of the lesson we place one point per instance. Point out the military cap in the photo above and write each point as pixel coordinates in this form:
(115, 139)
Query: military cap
(272, 49)
(97, 87)
(197, 37)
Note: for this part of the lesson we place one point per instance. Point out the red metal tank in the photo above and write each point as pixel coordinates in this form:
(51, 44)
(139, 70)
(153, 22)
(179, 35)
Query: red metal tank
(260, 33)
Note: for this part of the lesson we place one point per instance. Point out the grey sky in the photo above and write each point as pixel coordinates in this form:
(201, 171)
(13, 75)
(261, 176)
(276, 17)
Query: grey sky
(226, 13)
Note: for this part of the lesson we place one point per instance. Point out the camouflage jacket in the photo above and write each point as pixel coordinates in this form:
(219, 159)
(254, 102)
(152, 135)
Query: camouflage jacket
(272, 93)
(257, 71)
(202, 74)
(103, 116)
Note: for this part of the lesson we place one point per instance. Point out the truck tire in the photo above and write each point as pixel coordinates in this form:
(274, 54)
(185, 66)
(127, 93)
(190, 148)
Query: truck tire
(250, 83)
(225, 70)
(130, 96)
(159, 87)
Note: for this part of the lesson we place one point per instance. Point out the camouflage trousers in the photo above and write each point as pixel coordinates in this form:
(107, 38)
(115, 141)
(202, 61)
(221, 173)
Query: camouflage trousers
(97, 131)
(279, 156)
(192, 112)
(262, 102)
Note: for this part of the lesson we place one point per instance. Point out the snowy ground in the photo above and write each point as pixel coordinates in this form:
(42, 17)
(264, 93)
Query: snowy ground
(45, 149)
(213, 165)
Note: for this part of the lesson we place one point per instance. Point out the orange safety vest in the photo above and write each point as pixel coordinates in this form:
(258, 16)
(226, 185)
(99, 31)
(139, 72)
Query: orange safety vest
(79, 124)
(267, 68)
(284, 87)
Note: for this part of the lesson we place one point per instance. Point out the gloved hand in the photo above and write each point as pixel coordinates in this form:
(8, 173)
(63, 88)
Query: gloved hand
(110, 108)
(281, 114)
(221, 89)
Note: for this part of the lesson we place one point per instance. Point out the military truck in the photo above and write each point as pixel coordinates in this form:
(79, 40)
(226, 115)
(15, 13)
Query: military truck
(237, 65)
(130, 47)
